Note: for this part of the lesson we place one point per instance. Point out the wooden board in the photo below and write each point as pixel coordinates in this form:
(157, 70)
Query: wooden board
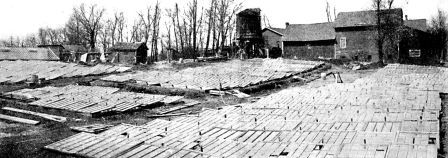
(17, 119)
(46, 116)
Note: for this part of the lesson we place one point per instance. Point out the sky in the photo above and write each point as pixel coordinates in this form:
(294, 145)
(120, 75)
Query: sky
(22, 17)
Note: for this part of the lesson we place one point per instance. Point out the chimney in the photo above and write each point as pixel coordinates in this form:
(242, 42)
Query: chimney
(287, 24)
(406, 17)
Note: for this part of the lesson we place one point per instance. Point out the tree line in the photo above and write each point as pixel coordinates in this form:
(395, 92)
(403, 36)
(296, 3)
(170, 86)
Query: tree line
(186, 30)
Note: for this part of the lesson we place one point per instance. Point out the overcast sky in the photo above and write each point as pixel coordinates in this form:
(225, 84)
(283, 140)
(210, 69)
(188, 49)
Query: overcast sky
(22, 17)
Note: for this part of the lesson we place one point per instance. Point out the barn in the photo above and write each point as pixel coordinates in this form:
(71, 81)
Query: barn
(128, 53)
(309, 41)
(356, 34)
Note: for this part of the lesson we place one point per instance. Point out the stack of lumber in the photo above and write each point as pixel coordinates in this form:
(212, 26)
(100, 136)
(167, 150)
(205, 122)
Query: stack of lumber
(88, 99)
(227, 75)
(392, 113)
(18, 71)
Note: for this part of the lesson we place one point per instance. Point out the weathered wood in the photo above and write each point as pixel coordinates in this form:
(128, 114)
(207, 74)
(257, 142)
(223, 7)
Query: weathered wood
(17, 119)
(46, 116)
(94, 128)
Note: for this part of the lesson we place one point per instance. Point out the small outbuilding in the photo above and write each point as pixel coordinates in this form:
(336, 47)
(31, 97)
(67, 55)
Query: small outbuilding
(129, 53)
(273, 40)
(309, 41)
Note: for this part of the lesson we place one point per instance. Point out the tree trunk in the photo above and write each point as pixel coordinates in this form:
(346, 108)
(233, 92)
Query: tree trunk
(175, 34)
(194, 26)
(179, 29)
(380, 35)
(92, 40)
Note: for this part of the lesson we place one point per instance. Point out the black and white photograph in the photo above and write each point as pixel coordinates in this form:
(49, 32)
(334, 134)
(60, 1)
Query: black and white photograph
(224, 78)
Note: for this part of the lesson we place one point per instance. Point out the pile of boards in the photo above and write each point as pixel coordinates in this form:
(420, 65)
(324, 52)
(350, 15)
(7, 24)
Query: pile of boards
(231, 74)
(18, 71)
(87, 99)
(393, 113)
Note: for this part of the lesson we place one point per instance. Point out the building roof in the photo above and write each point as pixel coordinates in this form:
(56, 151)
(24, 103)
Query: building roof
(279, 31)
(27, 54)
(250, 12)
(75, 48)
(363, 18)
(309, 32)
(126, 46)
(419, 24)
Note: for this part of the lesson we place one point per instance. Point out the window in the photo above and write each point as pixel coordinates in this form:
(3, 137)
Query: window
(343, 42)
(369, 58)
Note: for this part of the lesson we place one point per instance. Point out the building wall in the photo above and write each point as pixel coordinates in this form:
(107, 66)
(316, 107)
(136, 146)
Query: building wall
(271, 39)
(418, 40)
(141, 55)
(124, 57)
(360, 44)
(309, 50)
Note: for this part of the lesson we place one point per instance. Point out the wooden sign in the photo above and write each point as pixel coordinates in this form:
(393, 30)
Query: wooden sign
(414, 53)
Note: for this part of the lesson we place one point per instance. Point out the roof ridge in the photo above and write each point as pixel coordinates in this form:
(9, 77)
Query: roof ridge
(314, 23)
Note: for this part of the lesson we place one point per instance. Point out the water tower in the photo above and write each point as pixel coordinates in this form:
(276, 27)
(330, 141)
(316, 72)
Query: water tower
(248, 32)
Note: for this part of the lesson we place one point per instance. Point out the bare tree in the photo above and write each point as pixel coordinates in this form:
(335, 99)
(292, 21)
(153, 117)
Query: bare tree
(194, 14)
(155, 32)
(180, 36)
(227, 9)
(106, 36)
(90, 19)
(169, 49)
(266, 21)
(210, 22)
(146, 22)
(31, 40)
(389, 28)
(389, 3)
(42, 33)
(378, 5)
(328, 11)
(439, 31)
(74, 32)
(120, 26)
(113, 26)
(136, 29)
(200, 30)
(172, 16)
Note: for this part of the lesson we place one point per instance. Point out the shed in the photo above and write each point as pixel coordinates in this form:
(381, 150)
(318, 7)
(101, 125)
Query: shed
(56, 48)
(416, 44)
(130, 53)
(273, 36)
(309, 41)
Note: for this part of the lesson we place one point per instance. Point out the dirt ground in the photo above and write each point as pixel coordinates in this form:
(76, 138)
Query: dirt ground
(20, 140)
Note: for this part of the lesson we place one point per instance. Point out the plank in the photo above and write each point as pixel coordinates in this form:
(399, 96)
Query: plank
(46, 116)
(17, 119)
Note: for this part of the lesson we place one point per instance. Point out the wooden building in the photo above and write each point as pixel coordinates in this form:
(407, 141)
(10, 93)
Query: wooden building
(309, 41)
(273, 37)
(357, 34)
(129, 53)
(248, 32)
(416, 45)
(273, 40)
(67, 53)
(408, 42)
